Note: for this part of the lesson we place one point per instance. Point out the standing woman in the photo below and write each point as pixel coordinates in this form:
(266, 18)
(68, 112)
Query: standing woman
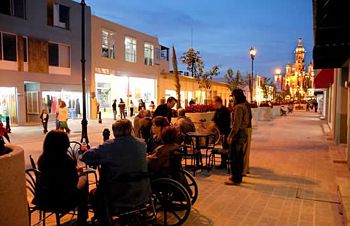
(44, 119)
(131, 106)
(121, 106)
(62, 116)
(238, 136)
(114, 108)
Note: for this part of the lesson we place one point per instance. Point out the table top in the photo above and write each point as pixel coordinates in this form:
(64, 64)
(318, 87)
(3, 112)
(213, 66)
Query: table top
(199, 134)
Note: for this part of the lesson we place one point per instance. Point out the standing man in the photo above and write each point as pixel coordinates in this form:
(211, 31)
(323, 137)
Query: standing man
(315, 105)
(165, 109)
(246, 150)
(114, 107)
(222, 120)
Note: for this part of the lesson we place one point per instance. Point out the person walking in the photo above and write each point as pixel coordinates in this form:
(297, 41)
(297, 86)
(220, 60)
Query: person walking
(114, 108)
(62, 117)
(44, 119)
(121, 106)
(315, 105)
(238, 136)
(152, 106)
(131, 107)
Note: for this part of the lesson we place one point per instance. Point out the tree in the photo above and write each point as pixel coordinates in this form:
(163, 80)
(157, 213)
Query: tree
(234, 82)
(204, 80)
(193, 60)
(177, 79)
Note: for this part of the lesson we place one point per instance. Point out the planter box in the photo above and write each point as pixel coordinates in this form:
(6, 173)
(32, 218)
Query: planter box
(197, 116)
(301, 107)
(265, 114)
(255, 114)
(276, 111)
(13, 195)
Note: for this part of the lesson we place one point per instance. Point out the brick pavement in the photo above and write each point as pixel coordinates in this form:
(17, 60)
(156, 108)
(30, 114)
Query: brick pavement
(293, 178)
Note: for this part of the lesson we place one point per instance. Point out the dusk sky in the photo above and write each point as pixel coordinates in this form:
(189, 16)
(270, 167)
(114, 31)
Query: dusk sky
(223, 30)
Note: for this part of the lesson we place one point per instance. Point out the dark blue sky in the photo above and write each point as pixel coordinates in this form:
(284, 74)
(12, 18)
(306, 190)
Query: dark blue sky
(223, 30)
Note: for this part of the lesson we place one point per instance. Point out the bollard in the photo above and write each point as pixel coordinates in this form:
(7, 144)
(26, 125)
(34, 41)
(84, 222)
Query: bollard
(8, 127)
(99, 117)
(106, 133)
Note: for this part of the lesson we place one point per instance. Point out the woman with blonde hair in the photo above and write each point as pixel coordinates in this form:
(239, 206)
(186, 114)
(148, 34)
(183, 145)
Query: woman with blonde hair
(62, 117)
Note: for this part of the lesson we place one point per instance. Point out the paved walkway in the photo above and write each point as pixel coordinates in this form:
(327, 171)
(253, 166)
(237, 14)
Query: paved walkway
(292, 181)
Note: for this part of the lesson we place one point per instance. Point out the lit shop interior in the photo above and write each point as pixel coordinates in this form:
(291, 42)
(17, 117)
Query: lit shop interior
(110, 87)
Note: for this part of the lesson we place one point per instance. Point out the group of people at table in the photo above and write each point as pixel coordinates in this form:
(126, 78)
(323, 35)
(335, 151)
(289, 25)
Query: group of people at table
(62, 185)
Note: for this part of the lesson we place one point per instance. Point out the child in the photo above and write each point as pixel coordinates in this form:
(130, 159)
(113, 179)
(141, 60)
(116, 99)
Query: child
(44, 119)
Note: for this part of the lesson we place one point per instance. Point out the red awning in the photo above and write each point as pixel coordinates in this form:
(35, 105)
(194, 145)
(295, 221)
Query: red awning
(324, 78)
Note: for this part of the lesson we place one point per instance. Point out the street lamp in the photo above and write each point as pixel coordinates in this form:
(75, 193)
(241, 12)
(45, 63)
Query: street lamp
(84, 122)
(252, 53)
(278, 79)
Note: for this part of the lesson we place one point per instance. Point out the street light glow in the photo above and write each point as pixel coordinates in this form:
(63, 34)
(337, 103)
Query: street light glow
(278, 71)
(252, 52)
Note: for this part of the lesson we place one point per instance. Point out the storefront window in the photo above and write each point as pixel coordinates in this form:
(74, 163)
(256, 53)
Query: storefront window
(50, 101)
(8, 103)
(103, 94)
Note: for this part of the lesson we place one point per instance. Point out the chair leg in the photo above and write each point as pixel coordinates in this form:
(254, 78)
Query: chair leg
(44, 218)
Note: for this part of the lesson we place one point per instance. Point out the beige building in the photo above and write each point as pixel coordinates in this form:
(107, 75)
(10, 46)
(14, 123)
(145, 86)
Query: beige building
(190, 89)
(125, 64)
(40, 52)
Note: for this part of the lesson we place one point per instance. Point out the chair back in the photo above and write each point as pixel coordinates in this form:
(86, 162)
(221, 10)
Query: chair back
(31, 180)
(32, 162)
(74, 150)
(175, 165)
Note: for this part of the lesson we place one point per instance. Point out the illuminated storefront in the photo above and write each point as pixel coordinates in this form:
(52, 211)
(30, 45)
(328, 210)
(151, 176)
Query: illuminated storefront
(72, 99)
(8, 103)
(110, 87)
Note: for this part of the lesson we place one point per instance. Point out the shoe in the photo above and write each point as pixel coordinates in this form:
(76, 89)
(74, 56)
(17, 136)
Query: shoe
(230, 178)
(231, 183)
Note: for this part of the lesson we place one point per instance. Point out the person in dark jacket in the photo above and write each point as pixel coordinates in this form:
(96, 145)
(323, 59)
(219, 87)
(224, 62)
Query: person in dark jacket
(121, 106)
(122, 163)
(246, 153)
(222, 120)
(165, 110)
(44, 116)
(145, 125)
(114, 108)
(237, 138)
(158, 124)
(59, 185)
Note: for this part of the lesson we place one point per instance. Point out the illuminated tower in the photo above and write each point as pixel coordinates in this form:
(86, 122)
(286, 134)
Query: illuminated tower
(299, 57)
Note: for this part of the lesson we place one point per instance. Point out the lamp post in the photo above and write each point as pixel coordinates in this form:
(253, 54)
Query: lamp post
(252, 53)
(84, 122)
(278, 79)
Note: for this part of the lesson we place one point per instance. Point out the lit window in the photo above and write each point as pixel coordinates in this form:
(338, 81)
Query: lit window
(130, 49)
(59, 55)
(108, 44)
(8, 47)
(149, 54)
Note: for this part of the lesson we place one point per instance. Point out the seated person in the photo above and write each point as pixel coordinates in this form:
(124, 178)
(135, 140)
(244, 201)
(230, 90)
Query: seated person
(158, 124)
(137, 119)
(122, 163)
(158, 160)
(145, 125)
(60, 186)
(184, 125)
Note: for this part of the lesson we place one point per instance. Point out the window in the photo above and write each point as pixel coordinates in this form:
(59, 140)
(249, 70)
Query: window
(130, 49)
(108, 42)
(58, 15)
(149, 54)
(32, 102)
(8, 48)
(13, 8)
(59, 55)
(165, 53)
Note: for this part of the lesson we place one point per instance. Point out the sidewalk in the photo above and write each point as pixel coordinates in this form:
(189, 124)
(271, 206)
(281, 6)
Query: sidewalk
(293, 179)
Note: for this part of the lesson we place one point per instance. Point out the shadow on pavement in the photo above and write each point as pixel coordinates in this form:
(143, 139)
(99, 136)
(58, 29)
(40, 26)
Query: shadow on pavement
(196, 218)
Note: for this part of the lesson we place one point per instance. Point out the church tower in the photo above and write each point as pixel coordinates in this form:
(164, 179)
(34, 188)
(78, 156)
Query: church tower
(300, 57)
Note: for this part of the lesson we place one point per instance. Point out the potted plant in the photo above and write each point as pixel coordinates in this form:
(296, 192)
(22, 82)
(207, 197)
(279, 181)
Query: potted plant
(200, 113)
(276, 109)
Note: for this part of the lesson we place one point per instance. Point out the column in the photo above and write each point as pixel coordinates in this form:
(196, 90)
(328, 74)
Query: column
(21, 105)
(341, 107)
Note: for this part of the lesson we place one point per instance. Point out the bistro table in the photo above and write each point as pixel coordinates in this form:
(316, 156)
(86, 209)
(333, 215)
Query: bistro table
(201, 141)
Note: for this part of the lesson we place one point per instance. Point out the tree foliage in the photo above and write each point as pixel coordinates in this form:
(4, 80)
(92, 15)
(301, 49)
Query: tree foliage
(193, 61)
(204, 80)
(234, 81)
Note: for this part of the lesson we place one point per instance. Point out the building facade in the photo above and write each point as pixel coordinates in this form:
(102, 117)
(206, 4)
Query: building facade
(298, 81)
(125, 64)
(40, 53)
(190, 90)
